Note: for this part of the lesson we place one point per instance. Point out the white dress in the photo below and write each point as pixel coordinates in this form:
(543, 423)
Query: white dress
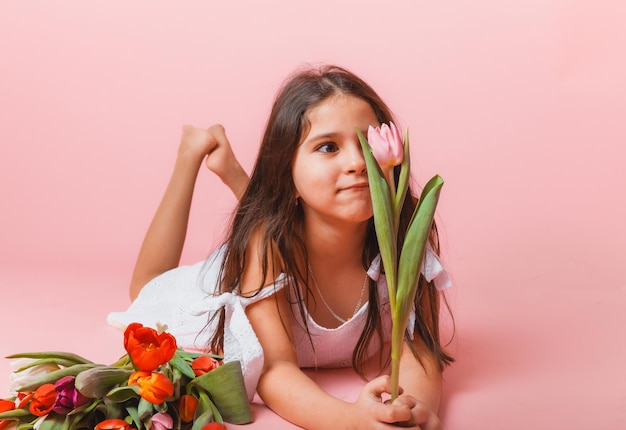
(184, 298)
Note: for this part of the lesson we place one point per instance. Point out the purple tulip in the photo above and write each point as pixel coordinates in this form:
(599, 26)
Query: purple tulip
(68, 397)
(161, 421)
(386, 144)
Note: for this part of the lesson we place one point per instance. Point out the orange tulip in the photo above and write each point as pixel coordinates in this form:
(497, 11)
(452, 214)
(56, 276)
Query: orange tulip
(187, 407)
(147, 348)
(43, 400)
(154, 387)
(23, 399)
(6, 405)
(204, 364)
(113, 424)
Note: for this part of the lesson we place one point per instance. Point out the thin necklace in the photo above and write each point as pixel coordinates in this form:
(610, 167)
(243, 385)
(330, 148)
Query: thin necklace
(317, 288)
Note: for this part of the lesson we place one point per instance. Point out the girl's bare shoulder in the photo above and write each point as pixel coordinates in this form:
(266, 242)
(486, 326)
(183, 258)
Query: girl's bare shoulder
(263, 263)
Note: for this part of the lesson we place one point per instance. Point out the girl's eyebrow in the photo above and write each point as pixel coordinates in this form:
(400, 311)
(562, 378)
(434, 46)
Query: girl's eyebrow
(322, 136)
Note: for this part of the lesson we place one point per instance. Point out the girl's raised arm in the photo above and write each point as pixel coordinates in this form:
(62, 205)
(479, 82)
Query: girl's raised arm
(163, 243)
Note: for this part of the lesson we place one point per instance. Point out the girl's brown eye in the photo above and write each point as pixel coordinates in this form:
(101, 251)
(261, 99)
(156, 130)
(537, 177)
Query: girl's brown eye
(327, 147)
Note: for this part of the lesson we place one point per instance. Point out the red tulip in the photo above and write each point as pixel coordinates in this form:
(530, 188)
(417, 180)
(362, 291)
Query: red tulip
(154, 387)
(187, 407)
(147, 348)
(43, 400)
(113, 424)
(386, 144)
(6, 405)
(204, 364)
(214, 426)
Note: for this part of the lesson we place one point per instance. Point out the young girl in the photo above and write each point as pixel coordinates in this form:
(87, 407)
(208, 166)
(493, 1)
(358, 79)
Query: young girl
(297, 283)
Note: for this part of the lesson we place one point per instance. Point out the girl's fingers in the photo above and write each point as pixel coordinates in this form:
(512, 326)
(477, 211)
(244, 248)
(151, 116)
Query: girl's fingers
(379, 386)
(405, 401)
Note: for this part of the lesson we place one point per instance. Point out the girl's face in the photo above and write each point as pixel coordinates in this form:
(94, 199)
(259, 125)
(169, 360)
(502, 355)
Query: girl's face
(329, 170)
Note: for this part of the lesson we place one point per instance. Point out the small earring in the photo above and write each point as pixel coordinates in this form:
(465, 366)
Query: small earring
(297, 201)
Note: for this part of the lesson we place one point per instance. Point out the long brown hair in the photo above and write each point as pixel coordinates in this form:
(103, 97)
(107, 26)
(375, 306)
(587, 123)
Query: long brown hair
(268, 206)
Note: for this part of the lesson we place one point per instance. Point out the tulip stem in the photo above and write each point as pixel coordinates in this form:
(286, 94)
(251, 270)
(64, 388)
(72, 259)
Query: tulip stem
(396, 353)
(391, 180)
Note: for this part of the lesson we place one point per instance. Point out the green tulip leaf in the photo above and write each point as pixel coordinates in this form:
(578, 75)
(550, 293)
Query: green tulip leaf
(82, 408)
(86, 408)
(204, 412)
(16, 414)
(80, 425)
(66, 424)
(202, 420)
(180, 364)
(190, 355)
(124, 361)
(226, 387)
(383, 216)
(52, 422)
(112, 409)
(176, 376)
(145, 409)
(133, 413)
(122, 394)
(415, 245)
(75, 358)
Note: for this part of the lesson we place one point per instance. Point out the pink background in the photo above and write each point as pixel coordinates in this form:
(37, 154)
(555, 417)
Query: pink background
(520, 106)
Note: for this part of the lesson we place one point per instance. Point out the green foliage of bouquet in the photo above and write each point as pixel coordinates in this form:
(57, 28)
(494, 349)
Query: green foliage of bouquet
(155, 385)
(383, 150)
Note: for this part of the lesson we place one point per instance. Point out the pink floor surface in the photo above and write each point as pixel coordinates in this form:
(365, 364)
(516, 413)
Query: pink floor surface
(538, 359)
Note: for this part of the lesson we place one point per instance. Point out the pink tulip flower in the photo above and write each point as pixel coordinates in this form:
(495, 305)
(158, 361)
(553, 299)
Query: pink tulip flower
(386, 144)
(162, 421)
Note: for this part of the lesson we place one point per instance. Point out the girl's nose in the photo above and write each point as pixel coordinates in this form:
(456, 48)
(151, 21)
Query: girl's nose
(355, 162)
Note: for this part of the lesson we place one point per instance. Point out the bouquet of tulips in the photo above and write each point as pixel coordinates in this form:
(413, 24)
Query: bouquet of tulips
(384, 149)
(155, 385)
